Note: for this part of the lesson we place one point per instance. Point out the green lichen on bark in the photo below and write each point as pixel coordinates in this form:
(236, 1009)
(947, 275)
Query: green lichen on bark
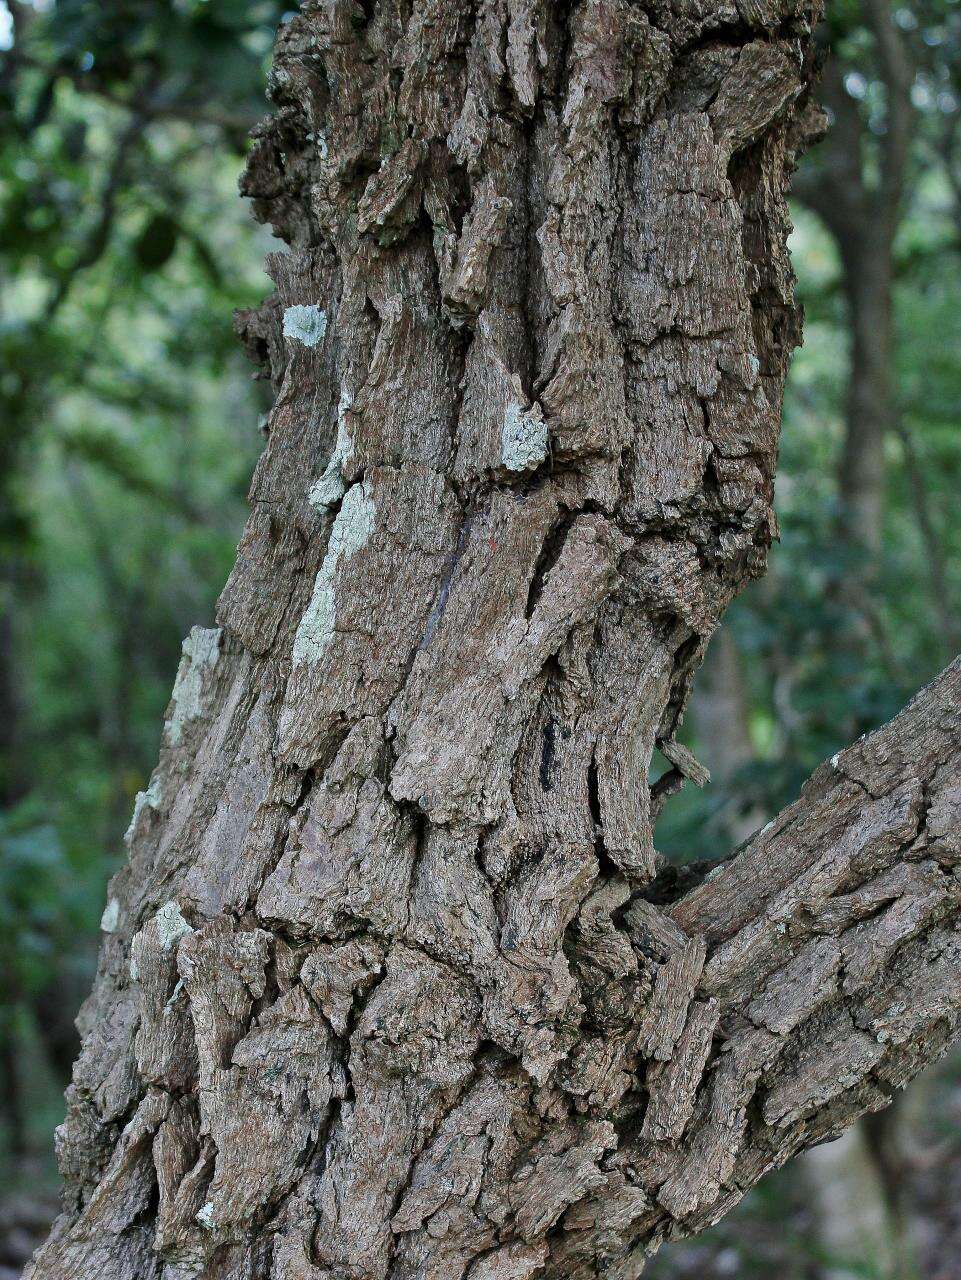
(352, 527)
(305, 324)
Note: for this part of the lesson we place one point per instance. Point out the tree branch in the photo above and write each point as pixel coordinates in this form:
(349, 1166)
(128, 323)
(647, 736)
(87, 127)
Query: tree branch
(898, 75)
(948, 624)
(832, 184)
(833, 949)
(150, 105)
(99, 234)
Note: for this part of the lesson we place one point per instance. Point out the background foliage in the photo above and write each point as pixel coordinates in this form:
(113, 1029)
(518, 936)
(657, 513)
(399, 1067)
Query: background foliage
(128, 430)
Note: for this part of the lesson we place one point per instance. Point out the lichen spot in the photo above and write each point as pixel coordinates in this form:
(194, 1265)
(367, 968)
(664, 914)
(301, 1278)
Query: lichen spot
(201, 650)
(111, 916)
(170, 925)
(330, 488)
(306, 325)
(523, 438)
(352, 528)
(144, 800)
(206, 1216)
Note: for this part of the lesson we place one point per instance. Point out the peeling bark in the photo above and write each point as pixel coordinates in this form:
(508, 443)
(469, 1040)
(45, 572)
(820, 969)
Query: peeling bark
(391, 986)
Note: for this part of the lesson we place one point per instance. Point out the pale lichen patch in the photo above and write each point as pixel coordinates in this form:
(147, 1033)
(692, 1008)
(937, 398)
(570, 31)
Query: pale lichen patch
(316, 628)
(305, 324)
(158, 937)
(149, 799)
(175, 995)
(351, 529)
(170, 925)
(201, 651)
(111, 916)
(329, 489)
(523, 438)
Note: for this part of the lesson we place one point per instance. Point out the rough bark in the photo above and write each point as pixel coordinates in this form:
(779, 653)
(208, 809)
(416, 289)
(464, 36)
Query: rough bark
(393, 984)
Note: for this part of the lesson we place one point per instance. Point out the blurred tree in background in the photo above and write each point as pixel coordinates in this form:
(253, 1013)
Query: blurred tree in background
(128, 433)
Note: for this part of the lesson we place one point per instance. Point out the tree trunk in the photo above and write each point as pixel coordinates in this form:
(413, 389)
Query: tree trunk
(721, 714)
(868, 280)
(856, 1233)
(391, 986)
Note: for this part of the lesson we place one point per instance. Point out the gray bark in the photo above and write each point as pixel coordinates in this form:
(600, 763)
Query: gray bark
(393, 984)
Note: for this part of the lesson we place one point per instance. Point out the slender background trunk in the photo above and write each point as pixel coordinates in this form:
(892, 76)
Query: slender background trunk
(868, 282)
(721, 709)
(860, 199)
